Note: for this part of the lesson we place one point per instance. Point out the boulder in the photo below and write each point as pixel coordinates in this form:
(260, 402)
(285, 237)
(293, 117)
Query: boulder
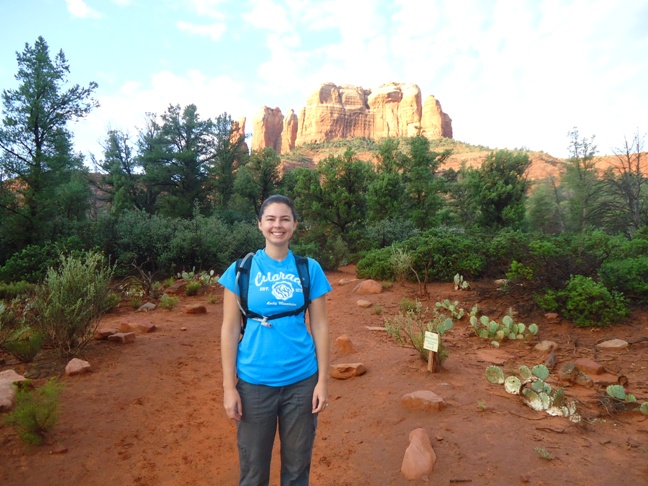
(420, 458)
(347, 370)
(76, 366)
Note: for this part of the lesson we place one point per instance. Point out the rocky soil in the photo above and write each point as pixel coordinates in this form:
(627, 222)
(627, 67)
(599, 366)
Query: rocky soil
(150, 412)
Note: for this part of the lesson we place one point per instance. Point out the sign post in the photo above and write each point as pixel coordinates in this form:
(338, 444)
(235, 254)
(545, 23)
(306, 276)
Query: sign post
(431, 343)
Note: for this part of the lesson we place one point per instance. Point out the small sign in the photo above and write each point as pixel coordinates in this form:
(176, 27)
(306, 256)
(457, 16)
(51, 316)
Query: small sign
(431, 342)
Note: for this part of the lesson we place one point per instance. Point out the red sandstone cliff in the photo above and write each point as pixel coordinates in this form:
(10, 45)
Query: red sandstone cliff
(345, 111)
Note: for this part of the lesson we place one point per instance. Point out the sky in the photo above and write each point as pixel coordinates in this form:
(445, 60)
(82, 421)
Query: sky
(512, 74)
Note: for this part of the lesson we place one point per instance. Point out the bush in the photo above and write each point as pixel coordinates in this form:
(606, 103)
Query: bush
(16, 290)
(30, 264)
(72, 300)
(24, 344)
(168, 302)
(377, 265)
(36, 411)
(586, 303)
(193, 288)
(628, 276)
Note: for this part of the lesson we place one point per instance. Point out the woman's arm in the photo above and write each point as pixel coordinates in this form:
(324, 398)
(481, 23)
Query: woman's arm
(320, 331)
(230, 335)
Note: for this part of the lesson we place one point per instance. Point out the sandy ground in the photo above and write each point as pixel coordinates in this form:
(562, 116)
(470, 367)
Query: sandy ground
(150, 412)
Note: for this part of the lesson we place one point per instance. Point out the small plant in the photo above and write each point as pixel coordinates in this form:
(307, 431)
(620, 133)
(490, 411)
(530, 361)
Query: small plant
(386, 285)
(24, 344)
(36, 410)
(543, 454)
(187, 275)
(460, 283)
(481, 405)
(193, 288)
(486, 328)
(456, 312)
(168, 282)
(619, 393)
(212, 299)
(536, 393)
(402, 263)
(409, 327)
(377, 310)
(112, 301)
(168, 302)
(519, 271)
(407, 305)
(136, 301)
(208, 279)
(71, 302)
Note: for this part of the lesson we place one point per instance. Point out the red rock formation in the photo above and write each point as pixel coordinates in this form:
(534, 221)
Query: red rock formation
(345, 111)
(289, 133)
(267, 126)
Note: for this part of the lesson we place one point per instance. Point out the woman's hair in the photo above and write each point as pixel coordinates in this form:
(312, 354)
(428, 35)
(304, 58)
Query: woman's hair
(278, 198)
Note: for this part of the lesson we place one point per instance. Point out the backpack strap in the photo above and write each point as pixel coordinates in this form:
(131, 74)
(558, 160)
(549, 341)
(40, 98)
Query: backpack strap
(243, 266)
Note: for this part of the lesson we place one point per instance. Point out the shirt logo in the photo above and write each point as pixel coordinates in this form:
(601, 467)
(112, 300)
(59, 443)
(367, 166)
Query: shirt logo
(282, 290)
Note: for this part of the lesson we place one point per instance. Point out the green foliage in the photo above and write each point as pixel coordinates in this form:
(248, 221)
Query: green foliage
(112, 301)
(402, 263)
(543, 454)
(409, 326)
(193, 288)
(519, 272)
(331, 253)
(16, 290)
(376, 265)
(30, 264)
(500, 188)
(536, 393)
(628, 276)
(460, 283)
(24, 343)
(168, 302)
(72, 300)
(453, 308)
(386, 232)
(36, 411)
(586, 302)
(36, 151)
(486, 328)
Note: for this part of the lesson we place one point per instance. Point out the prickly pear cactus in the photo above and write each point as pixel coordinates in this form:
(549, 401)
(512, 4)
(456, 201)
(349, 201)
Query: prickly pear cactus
(494, 374)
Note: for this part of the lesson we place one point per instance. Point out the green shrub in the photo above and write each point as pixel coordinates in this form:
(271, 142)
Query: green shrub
(587, 303)
(15, 290)
(377, 265)
(519, 271)
(9, 321)
(72, 300)
(36, 411)
(402, 263)
(168, 302)
(628, 276)
(112, 301)
(193, 288)
(24, 344)
(29, 264)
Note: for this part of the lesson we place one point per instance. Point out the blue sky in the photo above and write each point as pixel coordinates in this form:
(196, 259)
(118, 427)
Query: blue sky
(510, 73)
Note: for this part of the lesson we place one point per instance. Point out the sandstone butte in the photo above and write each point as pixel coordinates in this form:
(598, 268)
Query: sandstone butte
(343, 112)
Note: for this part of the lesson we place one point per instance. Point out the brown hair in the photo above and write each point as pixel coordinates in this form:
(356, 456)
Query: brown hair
(278, 198)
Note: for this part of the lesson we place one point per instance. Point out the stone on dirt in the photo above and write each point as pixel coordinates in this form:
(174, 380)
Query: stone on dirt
(122, 337)
(344, 344)
(368, 287)
(613, 344)
(195, 309)
(7, 390)
(423, 400)
(420, 458)
(347, 370)
(76, 366)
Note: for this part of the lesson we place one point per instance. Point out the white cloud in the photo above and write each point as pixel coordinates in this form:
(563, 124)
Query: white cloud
(78, 8)
(126, 109)
(213, 31)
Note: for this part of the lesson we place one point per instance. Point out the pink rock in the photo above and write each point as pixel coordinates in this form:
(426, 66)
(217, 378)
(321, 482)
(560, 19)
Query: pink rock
(195, 309)
(420, 458)
(346, 371)
(122, 337)
(105, 333)
(7, 391)
(368, 287)
(589, 366)
(77, 366)
(364, 304)
(423, 400)
(345, 346)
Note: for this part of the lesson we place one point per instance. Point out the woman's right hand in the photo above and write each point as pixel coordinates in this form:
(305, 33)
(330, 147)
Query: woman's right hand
(232, 403)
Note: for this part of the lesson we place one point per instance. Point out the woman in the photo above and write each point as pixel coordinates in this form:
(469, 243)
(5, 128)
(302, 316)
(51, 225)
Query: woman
(277, 372)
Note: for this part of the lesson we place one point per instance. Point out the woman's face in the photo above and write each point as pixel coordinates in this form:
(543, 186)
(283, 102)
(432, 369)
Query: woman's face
(277, 224)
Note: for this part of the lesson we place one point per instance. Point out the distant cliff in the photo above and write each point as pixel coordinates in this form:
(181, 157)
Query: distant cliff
(345, 111)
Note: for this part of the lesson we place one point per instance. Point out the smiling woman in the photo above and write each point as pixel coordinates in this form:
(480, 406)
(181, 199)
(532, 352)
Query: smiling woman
(277, 372)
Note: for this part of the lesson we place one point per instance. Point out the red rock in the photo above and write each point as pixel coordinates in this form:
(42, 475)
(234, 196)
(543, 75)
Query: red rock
(195, 309)
(423, 400)
(346, 371)
(345, 346)
(368, 287)
(420, 458)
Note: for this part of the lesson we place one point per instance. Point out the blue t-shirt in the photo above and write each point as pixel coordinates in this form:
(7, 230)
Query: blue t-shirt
(283, 353)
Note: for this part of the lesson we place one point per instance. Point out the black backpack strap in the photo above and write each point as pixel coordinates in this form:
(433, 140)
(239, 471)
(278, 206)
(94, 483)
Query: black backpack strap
(243, 266)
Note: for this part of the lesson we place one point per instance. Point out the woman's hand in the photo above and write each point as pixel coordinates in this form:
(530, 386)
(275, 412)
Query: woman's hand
(320, 397)
(232, 403)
